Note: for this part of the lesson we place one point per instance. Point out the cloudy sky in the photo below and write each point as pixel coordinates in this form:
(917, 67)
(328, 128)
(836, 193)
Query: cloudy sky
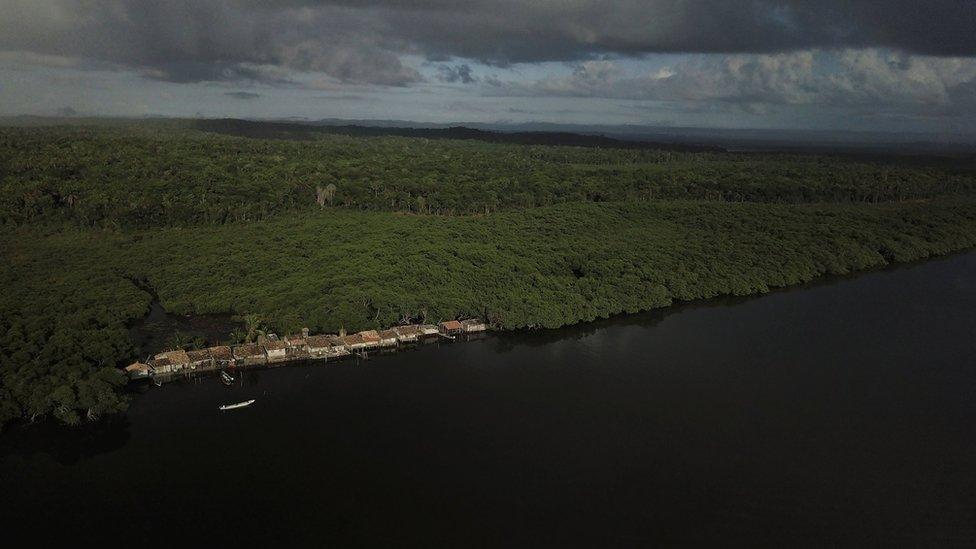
(892, 65)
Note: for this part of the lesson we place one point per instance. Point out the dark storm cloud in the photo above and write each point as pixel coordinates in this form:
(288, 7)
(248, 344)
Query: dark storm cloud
(217, 71)
(456, 73)
(508, 31)
(360, 41)
(185, 40)
(242, 95)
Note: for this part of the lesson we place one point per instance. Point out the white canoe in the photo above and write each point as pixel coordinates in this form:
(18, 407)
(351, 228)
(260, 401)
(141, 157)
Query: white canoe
(238, 405)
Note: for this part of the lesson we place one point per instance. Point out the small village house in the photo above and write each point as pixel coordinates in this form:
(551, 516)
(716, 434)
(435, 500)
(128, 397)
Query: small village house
(222, 356)
(428, 330)
(388, 338)
(407, 334)
(161, 365)
(276, 350)
(319, 345)
(338, 346)
(450, 327)
(296, 346)
(199, 359)
(169, 362)
(371, 338)
(138, 370)
(472, 325)
(176, 357)
(250, 354)
(353, 342)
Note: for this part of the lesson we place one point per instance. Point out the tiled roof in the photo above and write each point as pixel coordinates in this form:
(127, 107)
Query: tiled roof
(137, 367)
(248, 350)
(174, 357)
(275, 345)
(370, 336)
(411, 330)
(319, 341)
(198, 356)
(221, 352)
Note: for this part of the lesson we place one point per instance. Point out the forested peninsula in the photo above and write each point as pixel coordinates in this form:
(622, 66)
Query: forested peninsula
(339, 231)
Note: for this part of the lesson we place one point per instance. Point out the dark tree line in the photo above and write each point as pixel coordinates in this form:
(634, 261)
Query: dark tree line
(129, 177)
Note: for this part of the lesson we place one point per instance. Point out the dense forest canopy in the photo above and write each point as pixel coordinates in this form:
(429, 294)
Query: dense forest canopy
(361, 232)
(168, 176)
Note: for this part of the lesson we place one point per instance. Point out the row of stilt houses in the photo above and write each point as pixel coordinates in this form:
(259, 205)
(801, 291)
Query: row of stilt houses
(272, 349)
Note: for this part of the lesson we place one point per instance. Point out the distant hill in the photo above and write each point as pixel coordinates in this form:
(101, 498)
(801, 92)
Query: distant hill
(299, 131)
(861, 144)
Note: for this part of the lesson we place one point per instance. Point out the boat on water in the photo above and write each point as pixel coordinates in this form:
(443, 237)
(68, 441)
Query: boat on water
(238, 405)
(226, 378)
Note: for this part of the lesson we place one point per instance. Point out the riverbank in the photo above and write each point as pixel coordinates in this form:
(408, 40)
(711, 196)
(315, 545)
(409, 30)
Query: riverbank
(410, 337)
(70, 294)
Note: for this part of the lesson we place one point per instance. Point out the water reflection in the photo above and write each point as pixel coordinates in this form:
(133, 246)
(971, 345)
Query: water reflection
(66, 445)
(649, 319)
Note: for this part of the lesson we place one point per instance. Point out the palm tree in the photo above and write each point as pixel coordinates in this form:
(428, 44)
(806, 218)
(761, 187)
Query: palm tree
(179, 341)
(252, 324)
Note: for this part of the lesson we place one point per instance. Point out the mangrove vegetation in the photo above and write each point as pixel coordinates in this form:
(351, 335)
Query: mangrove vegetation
(367, 232)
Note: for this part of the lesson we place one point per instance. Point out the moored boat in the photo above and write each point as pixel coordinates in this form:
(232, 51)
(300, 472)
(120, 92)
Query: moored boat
(238, 405)
(226, 378)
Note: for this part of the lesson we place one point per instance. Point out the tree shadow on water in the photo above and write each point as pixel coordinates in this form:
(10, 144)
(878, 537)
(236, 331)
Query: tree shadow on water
(506, 341)
(67, 445)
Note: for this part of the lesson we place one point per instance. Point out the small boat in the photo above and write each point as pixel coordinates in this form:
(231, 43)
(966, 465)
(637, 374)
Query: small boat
(238, 405)
(226, 378)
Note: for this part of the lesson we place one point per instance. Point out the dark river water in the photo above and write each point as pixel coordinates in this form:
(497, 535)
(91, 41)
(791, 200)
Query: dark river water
(838, 413)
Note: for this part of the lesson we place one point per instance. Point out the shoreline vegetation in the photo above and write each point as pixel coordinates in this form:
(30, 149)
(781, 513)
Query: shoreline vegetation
(363, 233)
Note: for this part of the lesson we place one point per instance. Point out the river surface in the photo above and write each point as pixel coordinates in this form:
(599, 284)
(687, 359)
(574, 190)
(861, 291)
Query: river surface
(837, 413)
